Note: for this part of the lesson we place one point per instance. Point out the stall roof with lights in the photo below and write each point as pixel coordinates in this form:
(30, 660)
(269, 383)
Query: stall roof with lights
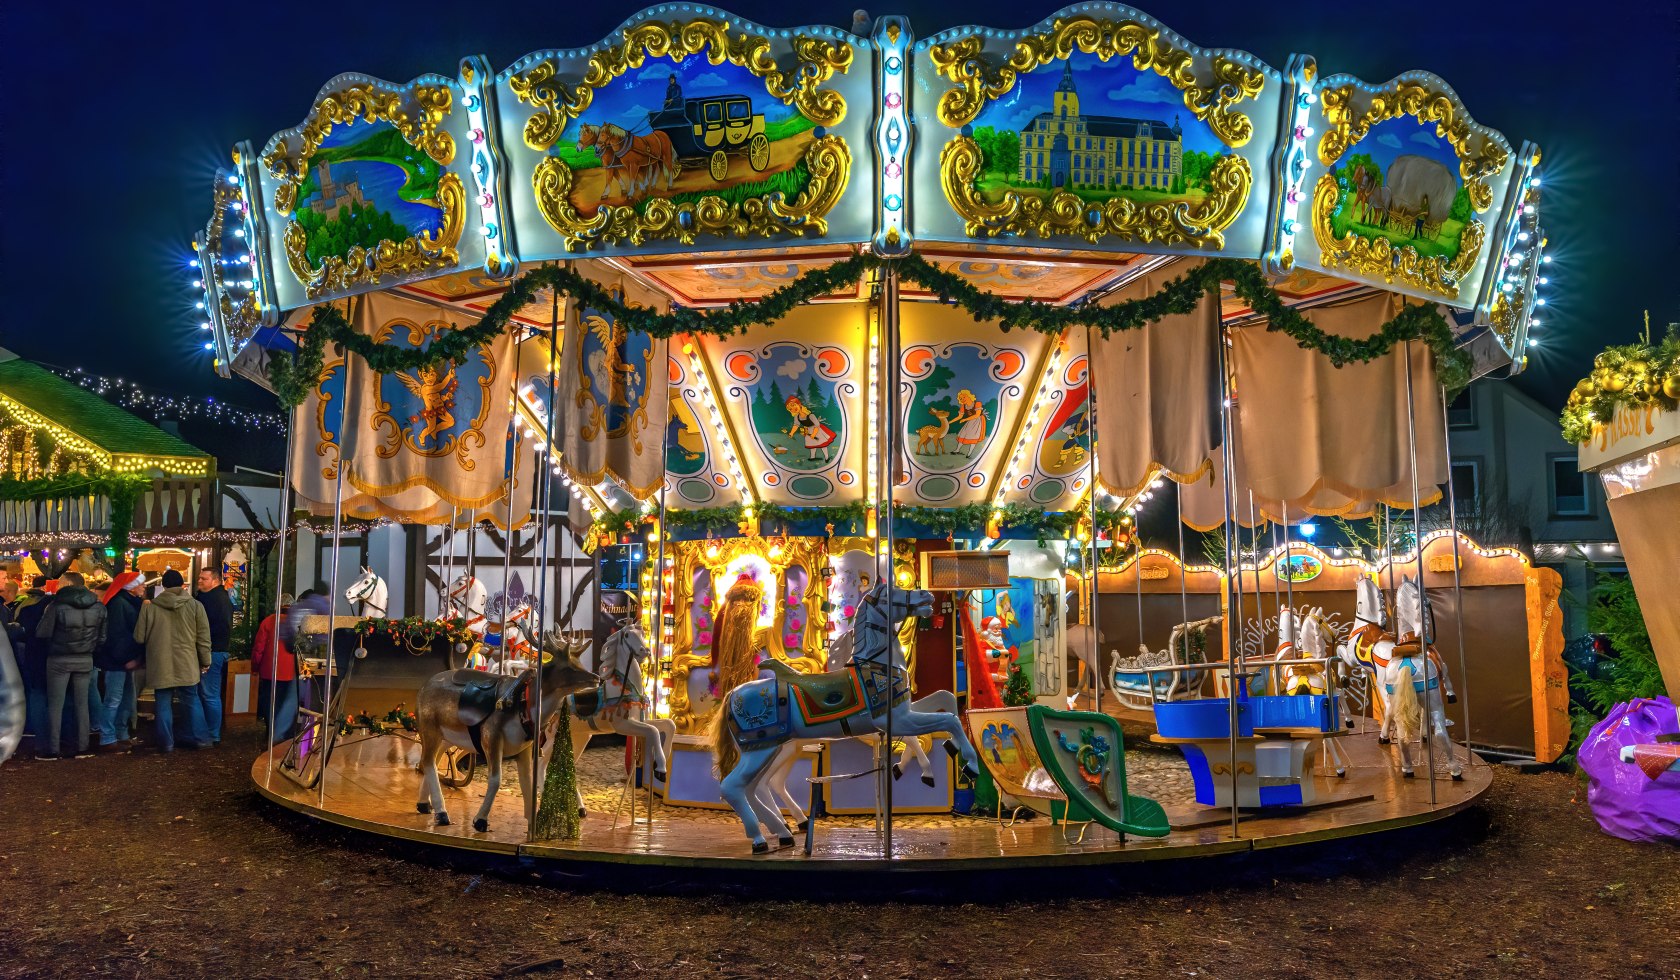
(83, 422)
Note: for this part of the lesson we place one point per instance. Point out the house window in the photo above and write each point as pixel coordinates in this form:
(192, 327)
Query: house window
(1569, 488)
(1461, 414)
(1466, 485)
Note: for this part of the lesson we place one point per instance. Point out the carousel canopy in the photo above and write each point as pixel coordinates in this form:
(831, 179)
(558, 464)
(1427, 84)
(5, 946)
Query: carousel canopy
(695, 161)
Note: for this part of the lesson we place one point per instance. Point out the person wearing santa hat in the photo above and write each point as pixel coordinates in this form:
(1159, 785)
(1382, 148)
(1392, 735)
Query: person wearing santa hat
(118, 658)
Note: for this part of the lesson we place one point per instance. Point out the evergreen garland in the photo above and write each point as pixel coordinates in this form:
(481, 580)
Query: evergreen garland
(123, 491)
(293, 377)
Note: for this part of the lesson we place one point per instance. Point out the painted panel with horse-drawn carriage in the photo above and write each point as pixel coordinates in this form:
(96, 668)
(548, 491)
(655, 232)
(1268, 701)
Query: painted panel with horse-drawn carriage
(685, 135)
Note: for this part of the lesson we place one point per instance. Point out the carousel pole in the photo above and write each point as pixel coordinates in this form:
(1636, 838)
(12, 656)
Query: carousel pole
(507, 539)
(1259, 594)
(1234, 649)
(327, 717)
(1091, 516)
(280, 591)
(889, 296)
(1425, 631)
(1183, 573)
(446, 559)
(545, 484)
(1458, 587)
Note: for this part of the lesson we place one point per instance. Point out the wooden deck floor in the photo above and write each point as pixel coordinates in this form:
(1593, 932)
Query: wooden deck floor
(371, 786)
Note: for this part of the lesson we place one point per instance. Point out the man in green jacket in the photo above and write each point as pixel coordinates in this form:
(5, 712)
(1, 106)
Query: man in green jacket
(176, 633)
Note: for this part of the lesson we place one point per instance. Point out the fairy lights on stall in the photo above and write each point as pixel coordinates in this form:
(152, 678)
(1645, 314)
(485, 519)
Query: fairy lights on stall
(1029, 426)
(708, 395)
(137, 398)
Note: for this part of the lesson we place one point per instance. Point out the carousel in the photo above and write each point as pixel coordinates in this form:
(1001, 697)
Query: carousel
(823, 381)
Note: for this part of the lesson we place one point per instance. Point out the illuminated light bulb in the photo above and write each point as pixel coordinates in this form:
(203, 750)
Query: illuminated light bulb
(711, 551)
(239, 233)
(233, 179)
(1543, 280)
(1522, 236)
(193, 263)
(1533, 342)
(208, 345)
(1540, 301)
(1546, 259)
(1534, 181)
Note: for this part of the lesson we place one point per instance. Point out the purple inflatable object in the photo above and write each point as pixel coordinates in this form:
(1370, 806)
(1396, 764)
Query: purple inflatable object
(1626, 802)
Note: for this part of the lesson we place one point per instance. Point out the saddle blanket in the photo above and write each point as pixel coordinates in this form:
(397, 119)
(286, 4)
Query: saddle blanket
(758, 711)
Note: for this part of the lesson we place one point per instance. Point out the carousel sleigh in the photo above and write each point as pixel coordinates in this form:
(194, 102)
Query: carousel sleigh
(1152, 676)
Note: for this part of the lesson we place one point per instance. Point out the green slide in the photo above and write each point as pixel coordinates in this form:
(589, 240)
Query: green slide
(1083, 753)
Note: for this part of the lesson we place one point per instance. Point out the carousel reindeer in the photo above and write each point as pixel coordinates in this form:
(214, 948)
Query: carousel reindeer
(497, 716)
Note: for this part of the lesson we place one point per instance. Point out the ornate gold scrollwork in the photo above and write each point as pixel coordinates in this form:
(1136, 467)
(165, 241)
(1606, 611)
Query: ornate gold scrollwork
(1199, 225)
(1062, 213)
(827, 161)
(557, 104)
(239, 319)
(363, 265)
(979, 82)
(1377, 258)
(1346, 128)
(1477, 162)
(369, 103)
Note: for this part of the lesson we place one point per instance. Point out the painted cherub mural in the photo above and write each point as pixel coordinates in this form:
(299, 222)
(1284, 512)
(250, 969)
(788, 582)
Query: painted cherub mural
(436, 390)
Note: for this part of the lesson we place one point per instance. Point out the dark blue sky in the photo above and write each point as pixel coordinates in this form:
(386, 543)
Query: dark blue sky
(116, 115)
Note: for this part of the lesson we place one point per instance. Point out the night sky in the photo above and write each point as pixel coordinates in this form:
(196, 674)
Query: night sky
(115, 119)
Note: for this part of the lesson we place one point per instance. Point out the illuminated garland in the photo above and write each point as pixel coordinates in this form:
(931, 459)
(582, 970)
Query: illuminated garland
(414, 632)
(123, 491)
(966, 520)
(293, 377)
(1630, 375)
(136, 398)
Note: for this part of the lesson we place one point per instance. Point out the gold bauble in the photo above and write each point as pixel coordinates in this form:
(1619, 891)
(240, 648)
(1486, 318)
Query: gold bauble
(1638, 367)
(1671, 386)
(1615, 381)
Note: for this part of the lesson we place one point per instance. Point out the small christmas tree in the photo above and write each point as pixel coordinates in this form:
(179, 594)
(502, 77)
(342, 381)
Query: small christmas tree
(557, 811)
(1017, 691)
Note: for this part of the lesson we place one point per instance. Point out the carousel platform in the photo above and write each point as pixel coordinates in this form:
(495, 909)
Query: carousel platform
(371, 784)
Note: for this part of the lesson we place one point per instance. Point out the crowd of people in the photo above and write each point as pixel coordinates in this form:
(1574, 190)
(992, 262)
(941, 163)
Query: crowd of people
(85, 657)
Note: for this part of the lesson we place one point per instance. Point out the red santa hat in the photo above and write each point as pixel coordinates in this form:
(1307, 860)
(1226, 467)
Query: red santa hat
(991, 623)
(126, 580)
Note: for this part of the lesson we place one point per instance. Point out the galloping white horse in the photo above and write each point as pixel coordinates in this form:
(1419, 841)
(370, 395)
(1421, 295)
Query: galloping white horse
(1409, 675)
(839, 658)
(620, 703)
(1301, 636)
(468, 599)
(368, 596)
(756, 719)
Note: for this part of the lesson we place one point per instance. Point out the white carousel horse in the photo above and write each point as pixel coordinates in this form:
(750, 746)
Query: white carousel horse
(1407, 662)
(368, 596)
(1301, 636)
(497, 715)
(839, 658)
(620, 704)
(469, 600)
(757, 718)
(773, 791)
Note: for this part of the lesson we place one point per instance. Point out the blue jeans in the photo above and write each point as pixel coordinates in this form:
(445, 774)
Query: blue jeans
(117, 708)
(210, 694)
(285, 717)
(187, 699)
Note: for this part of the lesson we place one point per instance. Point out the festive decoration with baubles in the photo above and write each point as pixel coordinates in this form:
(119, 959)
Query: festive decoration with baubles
(1630, 375)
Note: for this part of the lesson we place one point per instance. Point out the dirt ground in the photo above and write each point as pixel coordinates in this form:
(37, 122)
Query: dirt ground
(151, 865)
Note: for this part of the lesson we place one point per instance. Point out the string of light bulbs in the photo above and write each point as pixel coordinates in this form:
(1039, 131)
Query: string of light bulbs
(137, 398)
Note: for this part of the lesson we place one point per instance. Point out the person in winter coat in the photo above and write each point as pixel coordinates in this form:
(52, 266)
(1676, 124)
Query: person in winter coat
(119, 658)
(32, 656)
(276, 671)
(73, 627)
(176, 634)
(218, 608)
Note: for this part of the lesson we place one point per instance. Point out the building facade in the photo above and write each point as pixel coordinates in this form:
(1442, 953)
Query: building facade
(1509, 456)
(1108, 152)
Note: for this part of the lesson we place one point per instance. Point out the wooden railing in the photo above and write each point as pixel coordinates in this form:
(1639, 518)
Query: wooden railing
(174, 505)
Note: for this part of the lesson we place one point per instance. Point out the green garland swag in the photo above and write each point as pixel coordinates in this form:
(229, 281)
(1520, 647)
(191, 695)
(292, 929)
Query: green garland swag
(415, 632)
(123, 492)
(966, 520)
(1629, 375)
(293, 377)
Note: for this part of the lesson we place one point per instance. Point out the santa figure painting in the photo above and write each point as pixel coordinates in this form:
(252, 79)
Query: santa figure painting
(999, 655)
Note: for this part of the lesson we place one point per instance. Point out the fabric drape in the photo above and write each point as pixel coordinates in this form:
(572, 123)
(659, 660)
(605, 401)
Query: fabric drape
(1156, 391)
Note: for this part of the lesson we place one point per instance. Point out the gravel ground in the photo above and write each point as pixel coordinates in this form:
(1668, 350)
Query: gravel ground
(151, 865)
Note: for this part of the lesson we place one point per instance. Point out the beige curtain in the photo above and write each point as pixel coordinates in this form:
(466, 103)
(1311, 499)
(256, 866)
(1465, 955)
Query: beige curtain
(613, 392)
(1157, 391)
(1324, 440)
(419, 445)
